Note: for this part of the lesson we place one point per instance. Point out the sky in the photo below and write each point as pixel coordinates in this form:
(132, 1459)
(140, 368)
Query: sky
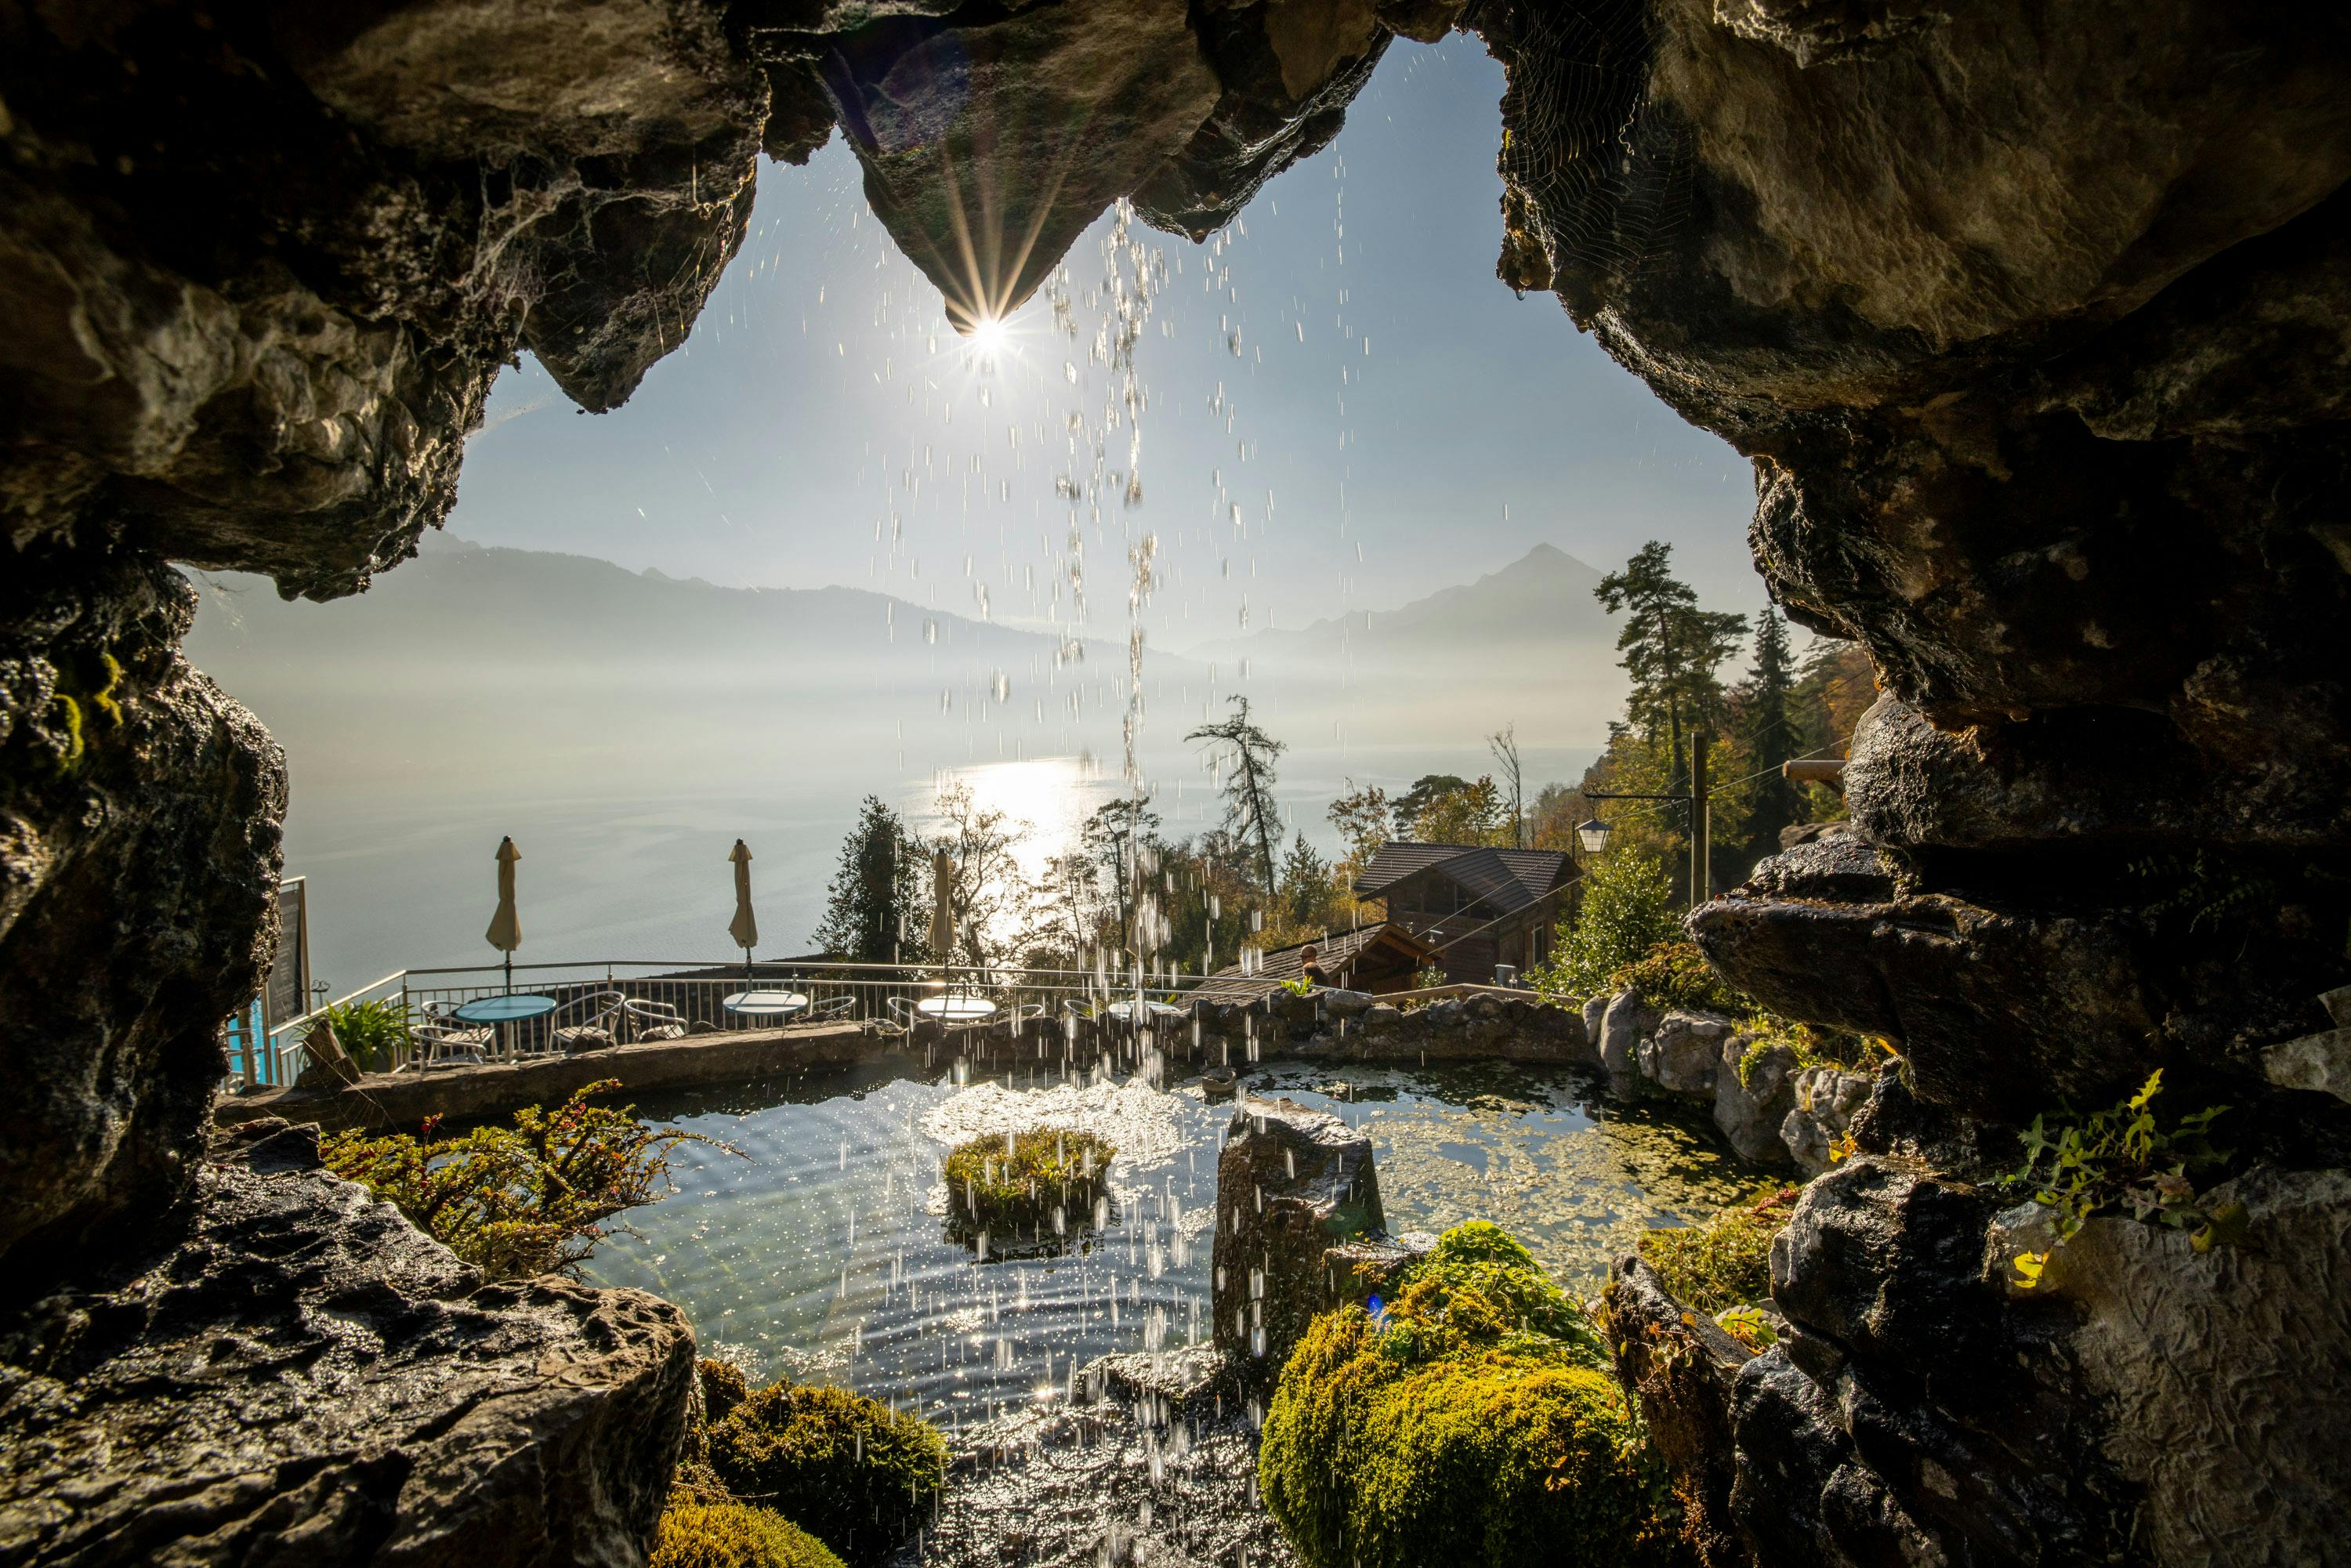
(1344, 409)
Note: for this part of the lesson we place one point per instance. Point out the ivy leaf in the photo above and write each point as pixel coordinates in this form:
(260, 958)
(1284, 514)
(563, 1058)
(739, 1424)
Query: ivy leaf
(2028, 1269)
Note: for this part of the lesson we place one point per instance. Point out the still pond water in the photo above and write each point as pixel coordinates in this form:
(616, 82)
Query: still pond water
(819, 1253)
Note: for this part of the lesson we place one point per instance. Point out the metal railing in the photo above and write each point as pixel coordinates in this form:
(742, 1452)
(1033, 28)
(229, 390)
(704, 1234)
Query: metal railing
(632, 1000)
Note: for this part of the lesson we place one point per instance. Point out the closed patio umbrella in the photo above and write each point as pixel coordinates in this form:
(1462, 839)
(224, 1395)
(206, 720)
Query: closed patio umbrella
(745, 928)
(942, 908)
(506, 926)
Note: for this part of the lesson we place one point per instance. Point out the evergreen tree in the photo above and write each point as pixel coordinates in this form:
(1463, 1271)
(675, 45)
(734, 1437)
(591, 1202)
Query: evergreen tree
(1413, 806)
(1247, 758)
(1671, 648)
(1770, 735)
(1305, 885)
(870, 912)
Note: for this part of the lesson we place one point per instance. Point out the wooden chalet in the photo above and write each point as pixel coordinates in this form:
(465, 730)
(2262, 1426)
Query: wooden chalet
(1479, 907)
(1375, 958)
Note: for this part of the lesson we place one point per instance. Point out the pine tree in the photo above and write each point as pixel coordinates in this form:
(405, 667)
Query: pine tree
(873, 893)
(1770, 735)
(1247, 760)
(1671, 649)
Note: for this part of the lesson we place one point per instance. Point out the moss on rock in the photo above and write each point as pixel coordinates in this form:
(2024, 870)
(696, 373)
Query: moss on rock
(1725, 1262)
(1469, 1421)
(734, 1536)
(849, 1469)
(1012, 1184)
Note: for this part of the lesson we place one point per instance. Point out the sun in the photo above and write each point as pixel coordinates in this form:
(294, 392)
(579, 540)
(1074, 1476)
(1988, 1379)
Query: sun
(987, 335)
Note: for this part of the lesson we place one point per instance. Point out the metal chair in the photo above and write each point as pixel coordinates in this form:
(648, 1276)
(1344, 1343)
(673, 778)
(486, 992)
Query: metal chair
(440, 1042)
(654, 1021)
(594, 1014)
(841, 1006)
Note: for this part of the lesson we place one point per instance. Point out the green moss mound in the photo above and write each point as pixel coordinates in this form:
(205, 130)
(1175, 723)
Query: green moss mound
(1725, 1262)
(1471, 1423)
(724, 1386)
(1011, 1185)
(850, 1470)
(1677, 974)
(733, 1535)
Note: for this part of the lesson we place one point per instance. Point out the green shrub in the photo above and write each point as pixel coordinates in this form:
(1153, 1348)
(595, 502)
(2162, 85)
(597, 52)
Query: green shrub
(1015, 1182)
(1470, 1424)
(1675, 975)
(521, 1200)
(1725, 1262)
(373, 1034)
(1627, 908)
(1814, 1045)
(849, 1469)
(734, 1536)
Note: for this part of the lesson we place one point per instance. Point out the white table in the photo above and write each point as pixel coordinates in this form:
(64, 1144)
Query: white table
(1132, 1011)
(767, 1004)
(955, 1010)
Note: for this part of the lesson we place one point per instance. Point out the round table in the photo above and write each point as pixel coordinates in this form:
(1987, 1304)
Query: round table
(955, 1010)
(765, 1004)
(504, 1010)
(498, 1012)
(1132, 1011)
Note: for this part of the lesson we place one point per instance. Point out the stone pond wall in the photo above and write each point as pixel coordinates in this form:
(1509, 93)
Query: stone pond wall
(2034, 317)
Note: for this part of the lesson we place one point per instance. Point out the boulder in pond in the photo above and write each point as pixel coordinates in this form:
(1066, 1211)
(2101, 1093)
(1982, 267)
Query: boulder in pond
(1292, 1184)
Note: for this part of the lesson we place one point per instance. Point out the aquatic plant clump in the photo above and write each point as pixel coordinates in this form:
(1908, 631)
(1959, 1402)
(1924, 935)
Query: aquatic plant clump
(1725, 1262)
(1032, 1183)
(1469, 1421)
(734, 1536)
(852, 1470)
(526, 1200)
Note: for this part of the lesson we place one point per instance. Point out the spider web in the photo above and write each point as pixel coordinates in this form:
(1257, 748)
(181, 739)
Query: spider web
(1598, 169)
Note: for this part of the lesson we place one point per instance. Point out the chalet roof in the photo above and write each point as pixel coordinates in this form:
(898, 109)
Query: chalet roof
(1337, 949)
(1505, 880)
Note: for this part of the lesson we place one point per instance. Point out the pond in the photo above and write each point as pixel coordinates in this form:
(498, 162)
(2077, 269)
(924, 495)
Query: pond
(820, 1250)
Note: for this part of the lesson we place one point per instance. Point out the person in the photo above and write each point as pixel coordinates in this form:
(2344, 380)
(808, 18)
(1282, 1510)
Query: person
(1309, 963)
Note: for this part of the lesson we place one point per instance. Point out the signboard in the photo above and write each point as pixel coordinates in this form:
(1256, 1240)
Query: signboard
(285, 994)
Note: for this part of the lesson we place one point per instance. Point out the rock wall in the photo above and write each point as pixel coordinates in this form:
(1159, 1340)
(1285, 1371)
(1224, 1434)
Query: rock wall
(2033, 319)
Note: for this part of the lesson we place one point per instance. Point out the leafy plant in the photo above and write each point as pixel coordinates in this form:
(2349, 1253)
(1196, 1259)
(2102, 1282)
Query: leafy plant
(853, 1471)
(1812, 1045)
(2206, 889)
(1627, 908)
(526, 1200)
(2123, 1156)
(1298, 986)
(1726, 1262)
(1469, 1421)
(373, 1034)
(1017, 1182)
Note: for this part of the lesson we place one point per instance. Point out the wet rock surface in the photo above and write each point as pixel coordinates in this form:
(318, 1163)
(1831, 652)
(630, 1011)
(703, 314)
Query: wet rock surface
(307, 1378)
(1292, 1186)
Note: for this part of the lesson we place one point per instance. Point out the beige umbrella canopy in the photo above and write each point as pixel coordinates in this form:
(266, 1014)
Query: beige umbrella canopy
(942, 907)
(506, 926)
(745, 927)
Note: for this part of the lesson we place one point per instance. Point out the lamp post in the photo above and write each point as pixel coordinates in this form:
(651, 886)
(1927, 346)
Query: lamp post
(1595, 833)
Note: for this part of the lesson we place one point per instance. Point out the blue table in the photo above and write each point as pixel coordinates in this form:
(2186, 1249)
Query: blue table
(504, 1010)
(509, 1009)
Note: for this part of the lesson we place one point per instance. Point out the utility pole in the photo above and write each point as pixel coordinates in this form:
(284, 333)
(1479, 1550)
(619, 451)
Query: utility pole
(1702, 824)
(1595, 833)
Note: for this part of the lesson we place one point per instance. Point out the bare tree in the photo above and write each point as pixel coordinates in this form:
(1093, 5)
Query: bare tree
(1246, 756)
(1504, 744)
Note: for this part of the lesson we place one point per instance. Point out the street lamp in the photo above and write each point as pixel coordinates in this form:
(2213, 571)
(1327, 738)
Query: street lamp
(1595, 833)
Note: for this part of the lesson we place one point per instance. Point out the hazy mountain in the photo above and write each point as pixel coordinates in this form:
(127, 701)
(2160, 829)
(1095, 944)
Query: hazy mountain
(529, 659)
(1528, 644)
